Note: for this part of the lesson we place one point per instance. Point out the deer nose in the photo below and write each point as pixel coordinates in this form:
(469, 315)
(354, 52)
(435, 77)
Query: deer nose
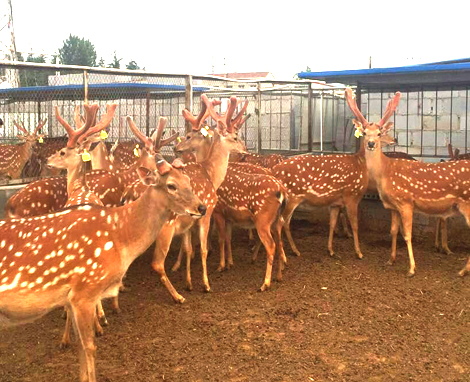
(202, 209)
(371, 144)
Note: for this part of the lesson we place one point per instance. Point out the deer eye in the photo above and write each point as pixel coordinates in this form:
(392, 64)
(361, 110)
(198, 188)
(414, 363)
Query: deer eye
(62, 153)
(188, 137)
(171, 187)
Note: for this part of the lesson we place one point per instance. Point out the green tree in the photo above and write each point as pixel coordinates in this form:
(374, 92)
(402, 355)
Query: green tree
(116, 64)
(77, 51)
(101, 63)
(132, 65)
(31, 77)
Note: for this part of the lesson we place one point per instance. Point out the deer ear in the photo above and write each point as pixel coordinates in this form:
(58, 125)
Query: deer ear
(386, 128)
(358, 125)
(146, 176)
(163, 167)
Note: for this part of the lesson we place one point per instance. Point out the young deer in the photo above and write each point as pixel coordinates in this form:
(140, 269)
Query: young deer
(14, 157)
(439, 189)
(79, 255)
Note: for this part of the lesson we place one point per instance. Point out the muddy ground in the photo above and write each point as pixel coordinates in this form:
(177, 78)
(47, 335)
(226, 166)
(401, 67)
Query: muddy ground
(331, 319)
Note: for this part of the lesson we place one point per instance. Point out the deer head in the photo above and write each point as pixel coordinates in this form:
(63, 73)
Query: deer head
(26, 135)
(202, 139)
(373, 133)
(171, 179)
(86, 132)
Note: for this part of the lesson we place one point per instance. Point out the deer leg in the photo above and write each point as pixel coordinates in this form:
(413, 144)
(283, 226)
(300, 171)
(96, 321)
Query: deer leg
(264, 233)
(177, 265)
(279, 248)
(444, 238)
(203, 231)
(351, 207)
(219, 222)
(83, 316)
(334, 211)
(407, 224)
(465, 211)
(256, 249)
(188, 248)
(229, 245)
(115, 304)
(292, 204)
(251, 237)
(68, 325)
(395, 221)
(437, 244)
(100, 313)
(162, 246)
(344, 222)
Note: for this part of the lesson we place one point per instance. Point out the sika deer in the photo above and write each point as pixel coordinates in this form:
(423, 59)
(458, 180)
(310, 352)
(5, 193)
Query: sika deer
(439, 189)
(206, 177)
(92, 251)
(14, 157)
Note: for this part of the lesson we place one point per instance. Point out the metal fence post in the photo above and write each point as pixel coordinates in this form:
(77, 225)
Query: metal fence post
(147, 114)
(358, 102)
(310, 119)
(259, 118)
(188, 99)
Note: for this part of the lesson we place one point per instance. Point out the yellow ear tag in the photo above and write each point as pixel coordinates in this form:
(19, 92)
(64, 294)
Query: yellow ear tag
(40, 140)
(179, 139)
(204, 132)
(136, 150)
(86, 157)
(103, 134)
(358, 133)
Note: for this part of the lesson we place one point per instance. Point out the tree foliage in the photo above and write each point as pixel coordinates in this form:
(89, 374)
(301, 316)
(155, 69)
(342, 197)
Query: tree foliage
(77, 51)
(33, 77)
(132, 65)
(116, 64)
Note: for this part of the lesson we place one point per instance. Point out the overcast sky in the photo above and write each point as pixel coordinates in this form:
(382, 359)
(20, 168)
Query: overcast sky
(199, 37)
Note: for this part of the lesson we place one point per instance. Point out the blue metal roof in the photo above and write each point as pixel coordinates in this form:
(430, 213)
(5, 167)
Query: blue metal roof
(447, 73)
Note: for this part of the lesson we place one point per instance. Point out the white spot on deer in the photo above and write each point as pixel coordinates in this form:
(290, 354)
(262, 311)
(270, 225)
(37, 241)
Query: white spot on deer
(97, 252)
(108, 245)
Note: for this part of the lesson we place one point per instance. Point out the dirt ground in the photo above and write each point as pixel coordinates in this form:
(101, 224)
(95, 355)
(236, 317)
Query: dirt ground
(331, 319)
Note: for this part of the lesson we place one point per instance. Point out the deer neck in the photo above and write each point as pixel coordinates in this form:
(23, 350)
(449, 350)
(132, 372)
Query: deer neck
(216, 162)
(139, 222)
(75, 177)
(376, 164)
(100, 159)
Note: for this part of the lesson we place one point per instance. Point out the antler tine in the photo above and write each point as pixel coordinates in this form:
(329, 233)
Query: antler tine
(236, 122)
(353, 106)
(157, 135)
(233, 102)
(21, 127)
(66, 126)
(145, 140)
(450, 150)
(391, 106)
(39, 126)
(103, 123)
(168, 140)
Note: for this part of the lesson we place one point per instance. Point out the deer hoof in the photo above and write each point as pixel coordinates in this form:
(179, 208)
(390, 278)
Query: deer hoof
(64, 345)
(463, 272)
(410, 274)
(175, 267)
(104, 321)
(220, 268)
(264, 288)
(179, 299)
(207, 289)
(390, 262)
(360, 256)
(189, 287)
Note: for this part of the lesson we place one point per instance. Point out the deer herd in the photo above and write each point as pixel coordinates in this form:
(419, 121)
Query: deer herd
(69, 240)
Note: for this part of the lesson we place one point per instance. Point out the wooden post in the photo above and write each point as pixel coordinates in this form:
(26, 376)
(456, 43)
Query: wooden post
(310, 119)
(188, 101)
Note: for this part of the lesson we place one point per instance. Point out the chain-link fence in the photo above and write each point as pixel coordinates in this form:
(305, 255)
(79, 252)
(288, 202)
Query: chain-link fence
(287, 117)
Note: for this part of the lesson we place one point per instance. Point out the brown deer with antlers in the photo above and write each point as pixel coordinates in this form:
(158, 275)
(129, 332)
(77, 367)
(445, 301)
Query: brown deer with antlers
(439, 189)
(40, 270)
(206, 177)
(14, 157)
